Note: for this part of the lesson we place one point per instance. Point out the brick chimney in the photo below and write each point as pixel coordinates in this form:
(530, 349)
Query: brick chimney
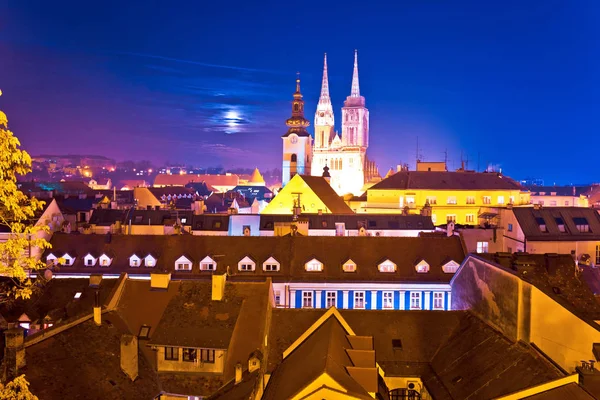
(129, 355)
(238, 373)
(14, 353)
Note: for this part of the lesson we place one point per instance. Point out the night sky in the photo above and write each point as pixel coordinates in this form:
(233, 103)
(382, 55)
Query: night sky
(509, 83)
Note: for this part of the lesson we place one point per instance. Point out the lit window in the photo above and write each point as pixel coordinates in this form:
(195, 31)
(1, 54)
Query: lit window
(207, 356)
(410, 200)
(307, 299)
(450, 218)
(387, 266)
(359, 299)
(541, 224)
(597, 254)
(438, 300)
(553, 203)
(207, 264)
(189, 354)
(450, 267)
(314, 265)
(470, 200)
(470, 218)
(482, 247)
(511, 199)
(77, 295)
(500, 199)
(431, 200)
(144, 332)
(487, 199)
(566, 202)
(104, 262)
(149, 261)
(422, 267)
(331, 298)
(349, 266)
(415, 300)
(581, 224)
(388, 299)
(134, 261)
(246, 264)
(451, 200)
(277, 296)
(561, 224)
(183, 267)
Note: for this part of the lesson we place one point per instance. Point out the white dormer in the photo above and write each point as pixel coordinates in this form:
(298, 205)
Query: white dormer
(135, 261)
(89, 260)
(314, 265)
(387, 266)
(183, 264)
(104, 260)
(271, 265)
(422, 267)
(246, 264)
(450, 267)
(69, 259)
(349, 266)
(150, 261)
(208, 264)
(51, 259)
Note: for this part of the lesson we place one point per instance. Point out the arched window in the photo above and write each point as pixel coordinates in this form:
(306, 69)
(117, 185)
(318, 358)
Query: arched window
(296, 107)
(294, 158)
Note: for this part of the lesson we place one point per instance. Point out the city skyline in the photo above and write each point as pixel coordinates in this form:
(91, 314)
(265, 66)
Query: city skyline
(466, 78)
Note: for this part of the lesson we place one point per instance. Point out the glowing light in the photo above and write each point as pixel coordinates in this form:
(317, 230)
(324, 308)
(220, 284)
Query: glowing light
(150, 171)
(181, 172)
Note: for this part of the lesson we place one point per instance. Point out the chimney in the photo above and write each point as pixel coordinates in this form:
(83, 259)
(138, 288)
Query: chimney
(450, 228)
(218, 287)
(159, 281)
(129, 356)
(254, 361)
(14, 353)
(238, 373)
(97, 309)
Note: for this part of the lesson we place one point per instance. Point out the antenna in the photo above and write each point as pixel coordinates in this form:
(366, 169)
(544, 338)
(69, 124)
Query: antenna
(417, 154)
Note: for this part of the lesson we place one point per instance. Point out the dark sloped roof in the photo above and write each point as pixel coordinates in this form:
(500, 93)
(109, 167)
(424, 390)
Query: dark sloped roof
(570, 391)
(291, 252)
(559, 190)
(238, 391)
(159, 217)
(552, 274)
(254, 192)
(447, 181)
(75, 204)
(328, 196)
(371, 222)
(210, 222)
(107, 217)
(529, 218)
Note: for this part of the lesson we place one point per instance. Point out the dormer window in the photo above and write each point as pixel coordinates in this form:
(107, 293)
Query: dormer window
(150, 261)
(208, 264)
(314, 265)
(349, 266)
(450, 267)
(561, 224)
(89, 260)
(581, 224)
(387, 266)
(246, 264)
(135, 261)
(183, 264)
(422, 267)
(51, 259)
(105, 260)
(271, 265)
(69, 259)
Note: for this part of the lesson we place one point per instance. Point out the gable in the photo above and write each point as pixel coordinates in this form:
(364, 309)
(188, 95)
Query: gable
(183, 260)
(450, 267)
(422, 266)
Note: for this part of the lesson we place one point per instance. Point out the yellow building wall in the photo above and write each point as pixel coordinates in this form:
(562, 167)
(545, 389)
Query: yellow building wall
(560, 334)
(283, 203)
(145, 198)
(146, 229)
(163, 365)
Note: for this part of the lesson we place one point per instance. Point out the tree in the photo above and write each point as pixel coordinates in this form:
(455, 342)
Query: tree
(17, 389)
(16, 213)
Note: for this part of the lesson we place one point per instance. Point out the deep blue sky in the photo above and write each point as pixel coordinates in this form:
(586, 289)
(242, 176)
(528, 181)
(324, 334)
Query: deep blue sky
(511, 83)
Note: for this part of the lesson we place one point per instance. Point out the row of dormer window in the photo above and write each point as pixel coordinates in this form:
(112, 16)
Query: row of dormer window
(183, 263)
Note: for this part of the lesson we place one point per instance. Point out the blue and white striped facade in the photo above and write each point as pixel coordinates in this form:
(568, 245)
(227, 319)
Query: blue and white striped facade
(364, 296)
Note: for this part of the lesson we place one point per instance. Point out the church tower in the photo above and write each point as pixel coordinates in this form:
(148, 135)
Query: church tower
(324, 121)
(355, 116)
(297, 142)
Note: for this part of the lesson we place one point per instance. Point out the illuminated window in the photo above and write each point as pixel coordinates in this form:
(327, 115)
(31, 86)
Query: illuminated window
(415, 300)
(422, 267)
(388, 300)
(450, 267)
(387, 266)
(208, 264)
(189, 354)
(433, 218)
(172, 353)
(271, 265)
(597, 254)
(581, 224)
(307, 299)
(77, 295)
(314, 265)
(246, 264)
(149, 261)
(487, 199)
(438, 300)
(482, 247)
(134, 261)
(470, 218)
(410, 200)
(144, 332)
(470, 200)
(105, 260)
(331, 298)
(277, 296)
(431, 200)
(561, 224)
(451, 200)
(541, 224)
(500, 199)
(511, 199)
(359, 299)
(207, 356)
(450, 218)
(349, 266)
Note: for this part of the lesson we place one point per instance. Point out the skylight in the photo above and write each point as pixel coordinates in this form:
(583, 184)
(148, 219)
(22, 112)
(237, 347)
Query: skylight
(77, 295)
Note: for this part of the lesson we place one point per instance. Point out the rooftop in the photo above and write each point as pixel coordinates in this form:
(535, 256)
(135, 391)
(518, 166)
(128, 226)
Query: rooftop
(442, 180)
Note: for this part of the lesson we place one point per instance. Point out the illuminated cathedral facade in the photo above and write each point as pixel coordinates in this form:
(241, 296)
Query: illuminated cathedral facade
(345, 155)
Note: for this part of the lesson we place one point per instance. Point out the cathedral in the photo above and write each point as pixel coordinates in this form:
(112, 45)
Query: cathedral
(344, 156)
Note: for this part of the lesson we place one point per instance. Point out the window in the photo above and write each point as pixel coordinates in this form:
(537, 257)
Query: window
(189, 355)
(422, 267)
(597, 254)
(150, 261)
(277, 296)
(294, 157)
(450, 218)
(387, 266)
(470, 199)
(104, 262)
(359, 299)
(77, 295)
(433, 218)
(271, 265)
(208, 264)
(415, 300)
(331, 298)
(172, 353)
(511, 199)
(207, 356)
(431, 200)
(246, 267)
(451, 200)
(541, 202)
(349, 266)
(246, 264)
(388, 300)
(510, 227)
(482, 247)
(566, 202)
(438, 300)
(487, 199)
(314, 265)
(89, 261)
(134, 261)
(553, 203)
(183, 267)
(542, 224)
(450, 267)
(307, 299)
(470, 218)
(581, 224)
(144, 332)
(560, 223)
(410, 200)
(500, 199)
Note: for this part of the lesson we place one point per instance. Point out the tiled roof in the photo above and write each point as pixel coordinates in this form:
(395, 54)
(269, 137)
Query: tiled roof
(447, 181)
(291, 252)
(559, 190)
(182, 180)
(530, 218)
(371, 222)
(107, 217)
(325, 192)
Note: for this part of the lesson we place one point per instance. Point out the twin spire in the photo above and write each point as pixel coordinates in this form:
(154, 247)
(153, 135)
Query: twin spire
(355, 91)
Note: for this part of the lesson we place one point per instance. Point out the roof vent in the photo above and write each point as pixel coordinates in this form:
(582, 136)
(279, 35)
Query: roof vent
(397, 344)
(556, 290)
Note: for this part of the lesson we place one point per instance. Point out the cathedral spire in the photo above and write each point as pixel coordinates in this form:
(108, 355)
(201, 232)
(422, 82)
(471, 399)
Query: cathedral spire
(355, 87)
(325, 84)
